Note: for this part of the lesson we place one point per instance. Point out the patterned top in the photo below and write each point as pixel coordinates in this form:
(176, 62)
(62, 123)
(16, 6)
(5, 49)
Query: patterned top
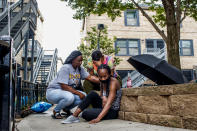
(108, 60)
(116, 103)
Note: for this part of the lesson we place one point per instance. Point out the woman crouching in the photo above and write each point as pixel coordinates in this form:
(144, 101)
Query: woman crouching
(105, 106)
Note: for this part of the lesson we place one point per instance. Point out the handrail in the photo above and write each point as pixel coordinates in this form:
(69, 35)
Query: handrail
(20, 13)
(53, 63)
(18, 45)
(59, 58)
(5, 12)
(37, 65)
(14, 6)
(15, 19)
(29, 82)
(53, 66)
(138, 78)
(18, 32)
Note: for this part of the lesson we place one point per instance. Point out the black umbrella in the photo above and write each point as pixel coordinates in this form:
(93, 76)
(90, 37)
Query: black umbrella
(157, 70)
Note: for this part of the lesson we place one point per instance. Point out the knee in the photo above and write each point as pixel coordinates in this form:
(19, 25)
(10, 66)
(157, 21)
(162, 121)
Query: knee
(49, 98)
(92, 94)
(85, 115)
(69, 99)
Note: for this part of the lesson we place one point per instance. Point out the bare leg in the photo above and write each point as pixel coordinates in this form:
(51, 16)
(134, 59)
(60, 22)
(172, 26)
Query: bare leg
(77, 112)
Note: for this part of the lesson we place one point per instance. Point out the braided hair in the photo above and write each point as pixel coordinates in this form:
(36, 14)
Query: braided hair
(104, 66)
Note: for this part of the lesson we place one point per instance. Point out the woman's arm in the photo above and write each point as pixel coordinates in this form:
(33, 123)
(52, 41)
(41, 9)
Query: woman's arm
(93, 79)
(70, 89)
(110, 99)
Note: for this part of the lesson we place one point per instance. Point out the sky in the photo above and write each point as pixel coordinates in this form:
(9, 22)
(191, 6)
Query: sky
(60, 30)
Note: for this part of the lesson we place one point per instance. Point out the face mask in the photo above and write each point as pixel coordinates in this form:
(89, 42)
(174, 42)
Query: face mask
(105, 81)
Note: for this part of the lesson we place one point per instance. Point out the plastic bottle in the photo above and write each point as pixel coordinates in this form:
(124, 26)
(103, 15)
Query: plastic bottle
(129, 84)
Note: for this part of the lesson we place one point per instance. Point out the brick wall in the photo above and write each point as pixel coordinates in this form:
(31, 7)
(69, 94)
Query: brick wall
(170, 105)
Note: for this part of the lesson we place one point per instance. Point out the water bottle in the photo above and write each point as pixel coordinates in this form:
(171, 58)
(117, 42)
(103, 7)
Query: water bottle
(129, 84)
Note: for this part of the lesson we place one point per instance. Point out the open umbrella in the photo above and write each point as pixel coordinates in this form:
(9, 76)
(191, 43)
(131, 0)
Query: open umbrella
(157, 70)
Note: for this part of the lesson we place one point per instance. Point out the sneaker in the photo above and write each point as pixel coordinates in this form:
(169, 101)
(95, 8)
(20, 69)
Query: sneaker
(71, 119)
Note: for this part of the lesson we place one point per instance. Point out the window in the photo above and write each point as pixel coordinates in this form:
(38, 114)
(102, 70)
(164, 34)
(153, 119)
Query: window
(153, 45)
(131, 18)
(128, 47)
(123, 73)
(186, 48)
(188, 73)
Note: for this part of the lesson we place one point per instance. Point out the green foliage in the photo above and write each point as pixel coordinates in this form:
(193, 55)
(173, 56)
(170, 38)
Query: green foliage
(190, 6)
(163, 9)
(113, 8)
(84, 8)
(106, 44)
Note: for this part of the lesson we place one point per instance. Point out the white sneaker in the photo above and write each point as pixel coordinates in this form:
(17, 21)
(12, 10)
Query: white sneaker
(71, 119)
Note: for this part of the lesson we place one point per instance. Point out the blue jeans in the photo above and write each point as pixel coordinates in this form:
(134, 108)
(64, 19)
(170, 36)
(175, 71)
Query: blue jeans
(63, 99)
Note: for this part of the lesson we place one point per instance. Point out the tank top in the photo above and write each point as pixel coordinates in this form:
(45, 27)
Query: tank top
(116, 103)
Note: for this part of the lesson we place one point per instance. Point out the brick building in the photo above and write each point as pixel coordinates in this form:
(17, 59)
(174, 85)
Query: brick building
(135, 35)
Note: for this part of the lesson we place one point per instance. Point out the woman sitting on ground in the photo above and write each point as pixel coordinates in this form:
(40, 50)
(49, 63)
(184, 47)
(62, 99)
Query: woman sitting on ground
(64, 90)
(96, 59)
(105, 106)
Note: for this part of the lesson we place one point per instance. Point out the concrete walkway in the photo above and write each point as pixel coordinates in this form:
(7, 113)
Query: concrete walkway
(44, 122)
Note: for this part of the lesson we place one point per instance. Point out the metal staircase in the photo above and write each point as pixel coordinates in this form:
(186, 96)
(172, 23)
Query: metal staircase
(38, 64)
(47, 67)
(137, 78)
(23, 23)
(23, 17)
(20, 31)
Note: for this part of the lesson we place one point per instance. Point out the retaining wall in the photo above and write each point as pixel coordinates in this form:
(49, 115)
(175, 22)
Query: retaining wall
(169, 105)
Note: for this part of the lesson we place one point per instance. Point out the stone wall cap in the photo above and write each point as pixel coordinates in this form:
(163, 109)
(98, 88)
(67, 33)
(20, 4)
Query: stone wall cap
(176, 89)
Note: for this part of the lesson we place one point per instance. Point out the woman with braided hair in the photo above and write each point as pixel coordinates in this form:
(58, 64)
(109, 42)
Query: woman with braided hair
(106, 105)
(64, 89)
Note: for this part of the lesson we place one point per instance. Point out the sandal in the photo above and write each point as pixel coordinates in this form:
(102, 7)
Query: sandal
(56, 115)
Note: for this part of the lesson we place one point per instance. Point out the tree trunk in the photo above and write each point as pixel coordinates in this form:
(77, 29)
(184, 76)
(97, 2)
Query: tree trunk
(173, 47)
(173, 30)
(173, 34)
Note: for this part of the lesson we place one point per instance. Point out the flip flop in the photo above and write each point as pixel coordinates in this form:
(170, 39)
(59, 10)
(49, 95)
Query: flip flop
(57, 116)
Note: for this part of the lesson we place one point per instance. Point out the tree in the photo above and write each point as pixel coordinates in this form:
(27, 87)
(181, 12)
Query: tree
(169, 14)
(106, 44)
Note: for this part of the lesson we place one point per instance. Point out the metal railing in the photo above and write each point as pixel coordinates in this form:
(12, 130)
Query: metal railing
(18, 26)
(53, 67)
(48, 67)
(12, 7)
(37, 65)
(28, 93)
(137, 78)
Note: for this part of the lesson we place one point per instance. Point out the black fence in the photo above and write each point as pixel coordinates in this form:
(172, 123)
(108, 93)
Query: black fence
(27, 94)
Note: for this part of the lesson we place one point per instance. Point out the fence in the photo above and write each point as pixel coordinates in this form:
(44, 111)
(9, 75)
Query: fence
(27, 94)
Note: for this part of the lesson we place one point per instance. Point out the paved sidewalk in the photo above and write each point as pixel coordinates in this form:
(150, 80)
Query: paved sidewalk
(44, 122)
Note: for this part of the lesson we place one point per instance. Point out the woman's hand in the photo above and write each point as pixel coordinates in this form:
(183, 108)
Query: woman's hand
(81, 96)
(94, 121)
(104, 100)
(93, 79)
(70, 89)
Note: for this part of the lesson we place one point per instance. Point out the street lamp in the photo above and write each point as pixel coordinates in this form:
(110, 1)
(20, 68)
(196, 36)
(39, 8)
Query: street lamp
(100, 27)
